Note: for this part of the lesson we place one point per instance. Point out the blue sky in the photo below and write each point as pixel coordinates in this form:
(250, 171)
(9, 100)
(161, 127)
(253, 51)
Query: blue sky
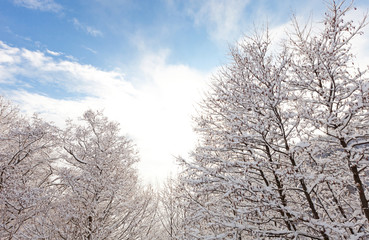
(114, 33)
(146, 63)
(107, 34)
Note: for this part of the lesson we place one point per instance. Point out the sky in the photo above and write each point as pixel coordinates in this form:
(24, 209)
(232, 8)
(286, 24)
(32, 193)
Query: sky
(147, 64)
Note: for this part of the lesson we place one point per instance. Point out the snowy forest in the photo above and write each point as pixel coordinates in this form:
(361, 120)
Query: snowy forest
(283, 153)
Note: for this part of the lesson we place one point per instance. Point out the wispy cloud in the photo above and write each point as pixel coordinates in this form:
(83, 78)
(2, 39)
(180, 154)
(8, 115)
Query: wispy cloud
(222, 18)
(53, 53)
(88, 29)
(71, 58)
(42, 5)
(90, 49)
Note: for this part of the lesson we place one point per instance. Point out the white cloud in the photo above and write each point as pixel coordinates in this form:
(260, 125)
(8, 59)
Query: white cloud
(166, 103)
(8, 55)
(71, 76)
(156, 113)
(222, 18)
(53, 53)
(42, 5)
(88, 29)
(55, 110)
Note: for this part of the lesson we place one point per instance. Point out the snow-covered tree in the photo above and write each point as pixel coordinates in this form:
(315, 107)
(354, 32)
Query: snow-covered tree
(26, 156)
(238, 184)
(335, 117)
(102, 198)
(79, 183)
(171, 211)
(284, 141)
